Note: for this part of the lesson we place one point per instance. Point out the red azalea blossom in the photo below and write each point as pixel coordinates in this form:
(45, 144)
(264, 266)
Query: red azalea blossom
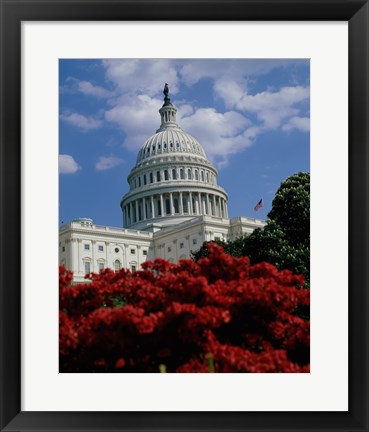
(217, 315)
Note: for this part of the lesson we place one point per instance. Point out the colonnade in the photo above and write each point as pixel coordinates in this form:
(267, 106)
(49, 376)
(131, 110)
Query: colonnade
(174, 204)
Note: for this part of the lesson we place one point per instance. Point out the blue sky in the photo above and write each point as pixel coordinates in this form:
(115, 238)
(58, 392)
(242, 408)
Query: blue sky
(252, 118)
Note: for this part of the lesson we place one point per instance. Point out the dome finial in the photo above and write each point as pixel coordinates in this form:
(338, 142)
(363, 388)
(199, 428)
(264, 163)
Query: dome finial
(166, 95)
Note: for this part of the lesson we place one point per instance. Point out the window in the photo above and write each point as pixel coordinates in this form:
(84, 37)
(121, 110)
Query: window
(196, 175)
(139, 181)
(151, 178)
(189, 175)
(181, 245)
(63, 248)
(159, 208)
(167, 206)
(116, 265)
(101, 248)
(144, 179)
(144, 252)
(194, 241)
(133, 268)
(166, 177)
(202, 175)
(207, 177)
(169, 249)
(87, 247)
(174, 174)
(133, 251)
(181, 173)
(217, 238)
(185, 205)
(176, 206)
(158, 176)
(87, 267)
(101, 265)
(116, 250)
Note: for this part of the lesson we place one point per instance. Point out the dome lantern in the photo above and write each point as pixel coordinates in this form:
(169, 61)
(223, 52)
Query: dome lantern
(167, 112)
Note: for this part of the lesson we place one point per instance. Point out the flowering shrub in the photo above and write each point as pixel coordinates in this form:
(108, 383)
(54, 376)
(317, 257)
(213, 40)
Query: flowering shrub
(219, 314)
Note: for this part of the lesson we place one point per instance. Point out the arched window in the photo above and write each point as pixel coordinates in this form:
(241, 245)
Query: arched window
(181, 172)
(166, 176)
(207, 177)
(117, 265)
(174, 174)
(139, 181)
(87, 266)
(176, 206)
(189, 174)
(167, 206)
(158, 176)
(196, 175)
(139, 212)
(202, 175)
(151, 178)
(144, 179)
(185, 204)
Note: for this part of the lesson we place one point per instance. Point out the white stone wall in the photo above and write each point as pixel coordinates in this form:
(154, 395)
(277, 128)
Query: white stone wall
(88, 247)
(83, 248)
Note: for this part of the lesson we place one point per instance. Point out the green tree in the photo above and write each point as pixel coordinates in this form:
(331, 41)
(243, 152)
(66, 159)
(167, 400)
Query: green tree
(285, 239)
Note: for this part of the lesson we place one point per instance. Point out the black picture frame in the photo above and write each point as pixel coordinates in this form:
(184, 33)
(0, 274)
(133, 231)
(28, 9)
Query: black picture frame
(13, 12)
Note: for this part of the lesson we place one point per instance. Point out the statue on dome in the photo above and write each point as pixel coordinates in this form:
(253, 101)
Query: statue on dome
(166, 89)
(166, 95)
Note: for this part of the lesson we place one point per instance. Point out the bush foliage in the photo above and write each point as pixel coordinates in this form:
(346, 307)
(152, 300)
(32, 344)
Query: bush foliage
(219, 314)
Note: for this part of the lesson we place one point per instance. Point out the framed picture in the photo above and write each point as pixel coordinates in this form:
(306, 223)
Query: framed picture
(29, 213)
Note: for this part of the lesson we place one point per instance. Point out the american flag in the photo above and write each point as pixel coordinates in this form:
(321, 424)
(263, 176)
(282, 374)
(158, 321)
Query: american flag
(259, 205)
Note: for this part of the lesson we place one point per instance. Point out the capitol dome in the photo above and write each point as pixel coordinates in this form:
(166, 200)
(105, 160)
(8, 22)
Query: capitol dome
(172, 180)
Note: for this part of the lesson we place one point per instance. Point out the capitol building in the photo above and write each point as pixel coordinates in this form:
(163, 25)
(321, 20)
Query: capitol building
(173, 205)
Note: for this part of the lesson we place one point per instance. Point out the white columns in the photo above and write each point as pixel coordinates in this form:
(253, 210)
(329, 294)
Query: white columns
(144, 208)
(161, 205)
(197, 203)
(93, 269)
(207, 204)
(152, 206)
(136, 208)
(190, 208)
(79, 245)
(181, 204)
(171, 204)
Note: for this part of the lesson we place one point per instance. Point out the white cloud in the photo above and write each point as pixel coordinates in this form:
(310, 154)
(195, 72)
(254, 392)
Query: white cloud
(137, 116)
(67, 165)
(193, 71)
(221, 134)
(108, 162)
(299, 123)
(88, 88)
(142, 76)
(83, 122)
